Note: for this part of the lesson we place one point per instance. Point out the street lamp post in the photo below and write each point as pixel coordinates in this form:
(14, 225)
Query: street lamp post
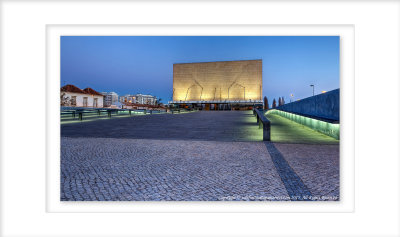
(312, 89)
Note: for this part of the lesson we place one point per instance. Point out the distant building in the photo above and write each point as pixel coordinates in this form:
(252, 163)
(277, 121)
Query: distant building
(139, 99)
(127, 99)
(110, 98)
(71, 95)
(146, 99)
(218, 85)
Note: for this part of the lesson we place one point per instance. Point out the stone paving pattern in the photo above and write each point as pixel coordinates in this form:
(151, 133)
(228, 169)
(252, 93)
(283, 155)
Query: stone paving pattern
(295, 187)
(213, 155)
(150, 170)
(204, 125)
(317, 165)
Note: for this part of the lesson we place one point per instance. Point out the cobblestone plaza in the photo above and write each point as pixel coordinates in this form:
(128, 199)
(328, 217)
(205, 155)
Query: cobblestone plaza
(199, 156)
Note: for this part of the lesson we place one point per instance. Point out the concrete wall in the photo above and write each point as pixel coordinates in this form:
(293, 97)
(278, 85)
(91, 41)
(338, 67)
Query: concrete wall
(325, 106)
(229, 80)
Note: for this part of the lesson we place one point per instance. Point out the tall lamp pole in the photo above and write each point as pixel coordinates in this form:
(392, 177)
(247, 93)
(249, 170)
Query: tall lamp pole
(312, 89)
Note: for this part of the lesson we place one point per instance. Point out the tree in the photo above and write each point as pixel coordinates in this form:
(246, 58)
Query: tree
(279, 101)
(64, 100)
(274, 104)
(266, 105)
(283, 100)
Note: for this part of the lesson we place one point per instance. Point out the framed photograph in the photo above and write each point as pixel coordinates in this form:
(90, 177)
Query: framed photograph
(222, 148)
(132, 121)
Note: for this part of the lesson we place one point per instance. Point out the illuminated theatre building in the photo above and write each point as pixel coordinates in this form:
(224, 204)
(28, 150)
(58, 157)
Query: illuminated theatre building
(218, 85)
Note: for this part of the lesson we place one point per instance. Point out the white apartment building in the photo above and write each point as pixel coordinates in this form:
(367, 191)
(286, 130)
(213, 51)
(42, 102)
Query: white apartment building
(138, 99)
(128, 99)
(110, 98)
(146, 99)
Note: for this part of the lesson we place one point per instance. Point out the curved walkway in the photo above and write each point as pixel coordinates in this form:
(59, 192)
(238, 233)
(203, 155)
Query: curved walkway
(284, 130)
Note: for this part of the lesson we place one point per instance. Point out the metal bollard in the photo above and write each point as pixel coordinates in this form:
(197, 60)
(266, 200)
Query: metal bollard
(130, 112)
(80, 116)
(109, 113)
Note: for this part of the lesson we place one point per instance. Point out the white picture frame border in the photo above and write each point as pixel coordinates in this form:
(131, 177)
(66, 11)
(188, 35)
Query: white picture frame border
(23, 152)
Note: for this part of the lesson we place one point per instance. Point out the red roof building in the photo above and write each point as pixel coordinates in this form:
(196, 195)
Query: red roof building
(72, 89)
(90, 91)
(72, 96)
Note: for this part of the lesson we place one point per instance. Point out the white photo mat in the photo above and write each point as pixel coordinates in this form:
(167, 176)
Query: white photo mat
(346, 33)
(30, 150)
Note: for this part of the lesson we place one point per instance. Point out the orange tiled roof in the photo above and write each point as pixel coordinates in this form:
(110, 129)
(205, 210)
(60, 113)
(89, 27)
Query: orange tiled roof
(72, 89)
(91, 91)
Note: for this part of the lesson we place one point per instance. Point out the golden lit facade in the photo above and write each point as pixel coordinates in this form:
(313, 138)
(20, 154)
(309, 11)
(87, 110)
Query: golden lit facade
(218, 82)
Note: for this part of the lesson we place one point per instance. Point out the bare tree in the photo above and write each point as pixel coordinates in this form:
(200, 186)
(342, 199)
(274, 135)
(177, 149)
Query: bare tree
(65, 100)
(158, 102)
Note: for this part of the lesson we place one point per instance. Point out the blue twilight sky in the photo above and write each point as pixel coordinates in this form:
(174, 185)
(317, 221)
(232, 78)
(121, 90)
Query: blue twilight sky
(143, 64)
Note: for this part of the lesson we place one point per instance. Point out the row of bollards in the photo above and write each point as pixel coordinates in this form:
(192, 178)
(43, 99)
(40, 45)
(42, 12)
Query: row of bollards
(80, 113)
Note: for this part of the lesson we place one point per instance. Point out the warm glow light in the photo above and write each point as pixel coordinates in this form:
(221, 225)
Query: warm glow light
(323, 92)
(218, 81)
